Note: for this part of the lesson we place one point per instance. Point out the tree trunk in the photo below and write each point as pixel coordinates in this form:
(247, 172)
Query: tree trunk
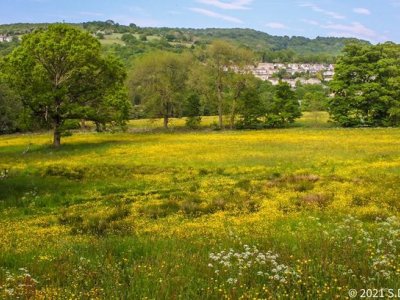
(57, 125)
(99, 127)
(57, 133)
(83, 124)
(233, 114)
(166, 122)
(220, 111)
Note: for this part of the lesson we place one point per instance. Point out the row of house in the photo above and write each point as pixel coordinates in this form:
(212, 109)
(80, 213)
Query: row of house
(314, 72)
(5, 38)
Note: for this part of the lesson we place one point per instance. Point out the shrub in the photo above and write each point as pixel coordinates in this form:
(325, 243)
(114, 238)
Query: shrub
(193, 122)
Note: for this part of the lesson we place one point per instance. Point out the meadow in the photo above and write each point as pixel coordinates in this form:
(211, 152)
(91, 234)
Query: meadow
(307, 212)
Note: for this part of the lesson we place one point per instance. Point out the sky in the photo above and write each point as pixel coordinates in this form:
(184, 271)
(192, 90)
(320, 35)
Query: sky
(373, 20)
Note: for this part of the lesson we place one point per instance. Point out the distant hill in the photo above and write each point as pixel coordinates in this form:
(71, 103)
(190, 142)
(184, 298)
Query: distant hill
(128, 41)
(260, 41)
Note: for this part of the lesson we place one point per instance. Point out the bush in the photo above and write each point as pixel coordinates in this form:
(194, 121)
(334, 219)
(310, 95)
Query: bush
(250, 124)
(129, 39)
(274, 121)
(193, 122)
(100, 35)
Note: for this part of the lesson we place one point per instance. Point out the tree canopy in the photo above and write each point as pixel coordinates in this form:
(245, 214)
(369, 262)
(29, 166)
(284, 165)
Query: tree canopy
(219, 83)
(159, 79)
(60, 74)
(222, 60)
(367, 86)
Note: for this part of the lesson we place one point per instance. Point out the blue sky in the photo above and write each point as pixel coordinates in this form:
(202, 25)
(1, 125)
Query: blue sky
(373, 20)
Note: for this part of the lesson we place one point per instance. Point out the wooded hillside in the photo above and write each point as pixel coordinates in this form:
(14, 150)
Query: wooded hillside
(128, 41)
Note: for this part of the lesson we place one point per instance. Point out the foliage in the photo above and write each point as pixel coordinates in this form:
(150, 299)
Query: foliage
(313, 97)
(247, 102)
(14, 117)
(100, 35)
(284, 107)
(159, 79)
(10, 111)
(222, 60)
(6, 48)
(60, 74)
(266, 106)
(366, 86)
(201, 83)
(192, 110)
(268, 48)
(277, 48)
(129, 39)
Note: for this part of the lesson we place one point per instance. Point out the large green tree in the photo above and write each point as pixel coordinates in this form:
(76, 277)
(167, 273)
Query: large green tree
(201, 82)
(283, 108)
(192, 110)
(223, 59)
(159, 80)
(254, 94)
(367, 86)
(61, 74)
(244, 97)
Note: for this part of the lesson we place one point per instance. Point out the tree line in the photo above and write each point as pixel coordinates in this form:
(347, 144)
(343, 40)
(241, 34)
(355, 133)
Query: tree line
(59, 77)
(216, 81)
(143, 39)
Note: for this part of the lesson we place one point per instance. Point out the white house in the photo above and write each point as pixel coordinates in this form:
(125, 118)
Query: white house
(266, 71)
(5, 38)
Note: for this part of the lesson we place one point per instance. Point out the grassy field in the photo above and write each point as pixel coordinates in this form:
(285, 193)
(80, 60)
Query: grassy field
(307, 212)
(115, 38)
(110, 39)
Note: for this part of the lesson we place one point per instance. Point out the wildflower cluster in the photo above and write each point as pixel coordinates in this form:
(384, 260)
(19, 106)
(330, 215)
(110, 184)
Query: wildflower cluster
(30, 198)
(385, 260)
(18, 286)
(380, 242)
(3, 174)
(244, 264)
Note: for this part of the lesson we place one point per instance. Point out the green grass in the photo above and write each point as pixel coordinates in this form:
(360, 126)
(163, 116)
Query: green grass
(110, 39)
(307, 212)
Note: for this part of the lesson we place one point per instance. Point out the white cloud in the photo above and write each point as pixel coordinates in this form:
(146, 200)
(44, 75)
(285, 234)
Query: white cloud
(276, 25)
(318, 9)
(362, 11)
(356, 29)
(233, 4)
(310, 22)
(213, 14)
